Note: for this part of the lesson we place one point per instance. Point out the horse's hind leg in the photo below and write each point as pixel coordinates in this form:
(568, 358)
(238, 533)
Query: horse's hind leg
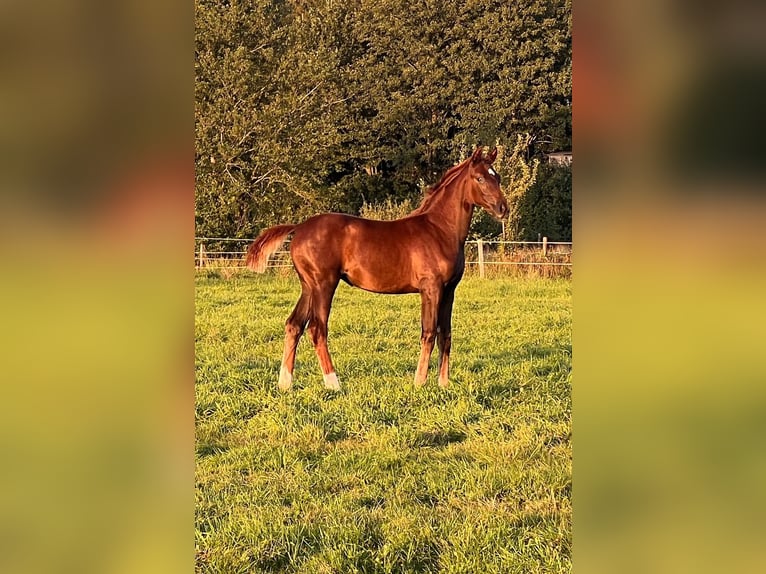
(294, 327)
(321, 301)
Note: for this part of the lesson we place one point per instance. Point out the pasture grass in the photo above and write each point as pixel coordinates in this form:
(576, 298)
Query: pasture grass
(384, 477)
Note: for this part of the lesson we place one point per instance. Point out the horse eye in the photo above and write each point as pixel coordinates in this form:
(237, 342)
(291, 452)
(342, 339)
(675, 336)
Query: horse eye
(480, 179)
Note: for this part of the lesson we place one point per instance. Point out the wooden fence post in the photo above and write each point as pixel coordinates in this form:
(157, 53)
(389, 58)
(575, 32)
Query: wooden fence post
(501, 249)
(480, 245)
(545, 246)
(202, 255)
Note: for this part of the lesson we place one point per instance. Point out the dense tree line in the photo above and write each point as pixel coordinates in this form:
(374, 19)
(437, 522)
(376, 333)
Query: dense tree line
(305, 106)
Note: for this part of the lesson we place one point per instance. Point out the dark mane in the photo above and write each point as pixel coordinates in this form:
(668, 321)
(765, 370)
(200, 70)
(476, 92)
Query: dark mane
(449, 176)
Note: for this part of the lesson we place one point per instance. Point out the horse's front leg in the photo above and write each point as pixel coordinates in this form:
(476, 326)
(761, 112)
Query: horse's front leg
(430, 297)
(444, 336)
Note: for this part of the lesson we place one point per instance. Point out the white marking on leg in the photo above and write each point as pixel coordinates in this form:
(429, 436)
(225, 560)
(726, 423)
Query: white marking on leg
(331, 382)
(285, 379)
(444, 372)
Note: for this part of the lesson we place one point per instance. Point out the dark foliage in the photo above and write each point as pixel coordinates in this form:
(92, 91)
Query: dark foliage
(305, 106)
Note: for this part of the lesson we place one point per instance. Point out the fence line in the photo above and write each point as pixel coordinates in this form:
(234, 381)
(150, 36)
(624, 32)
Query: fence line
(199, 239)
(548, 263)
(480, 253)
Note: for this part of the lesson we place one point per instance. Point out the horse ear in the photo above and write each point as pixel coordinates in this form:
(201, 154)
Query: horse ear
(492, 155)
(476, 157)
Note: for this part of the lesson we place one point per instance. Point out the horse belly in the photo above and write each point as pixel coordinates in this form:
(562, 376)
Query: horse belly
(379, 272)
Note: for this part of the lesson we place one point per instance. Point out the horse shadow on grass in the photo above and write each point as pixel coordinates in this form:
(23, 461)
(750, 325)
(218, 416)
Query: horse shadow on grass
(438, 438)
(207, 449)
(300, 548)
(521, 354)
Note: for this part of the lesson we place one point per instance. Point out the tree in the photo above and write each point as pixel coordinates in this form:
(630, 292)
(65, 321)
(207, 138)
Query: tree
(546, 209)
(303, 107)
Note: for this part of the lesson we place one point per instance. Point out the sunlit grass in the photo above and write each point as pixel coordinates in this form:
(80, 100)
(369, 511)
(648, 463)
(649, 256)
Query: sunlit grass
(383, 476)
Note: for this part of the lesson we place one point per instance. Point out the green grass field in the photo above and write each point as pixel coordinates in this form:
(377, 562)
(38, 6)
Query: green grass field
(383, 476)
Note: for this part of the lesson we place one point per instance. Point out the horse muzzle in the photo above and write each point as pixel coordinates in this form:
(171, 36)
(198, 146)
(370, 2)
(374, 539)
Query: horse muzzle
(501, 209)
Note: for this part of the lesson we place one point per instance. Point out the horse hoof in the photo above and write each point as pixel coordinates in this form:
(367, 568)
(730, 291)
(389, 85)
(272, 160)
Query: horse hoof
(285, 380)
(420, 381)
(331, 382)
(443, 383)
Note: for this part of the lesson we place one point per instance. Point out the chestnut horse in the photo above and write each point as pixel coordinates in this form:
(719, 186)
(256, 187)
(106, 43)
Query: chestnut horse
(420, 253)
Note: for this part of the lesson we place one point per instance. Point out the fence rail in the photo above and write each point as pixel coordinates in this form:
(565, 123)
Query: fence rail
(221, 253)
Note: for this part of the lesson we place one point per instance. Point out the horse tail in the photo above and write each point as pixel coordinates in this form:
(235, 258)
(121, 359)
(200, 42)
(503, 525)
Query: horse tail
(265, 245)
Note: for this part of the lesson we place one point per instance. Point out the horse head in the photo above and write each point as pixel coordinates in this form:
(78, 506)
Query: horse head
(484, 184)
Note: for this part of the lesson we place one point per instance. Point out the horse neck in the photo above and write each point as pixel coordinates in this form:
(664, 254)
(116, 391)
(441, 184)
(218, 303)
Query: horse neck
(450, 211)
